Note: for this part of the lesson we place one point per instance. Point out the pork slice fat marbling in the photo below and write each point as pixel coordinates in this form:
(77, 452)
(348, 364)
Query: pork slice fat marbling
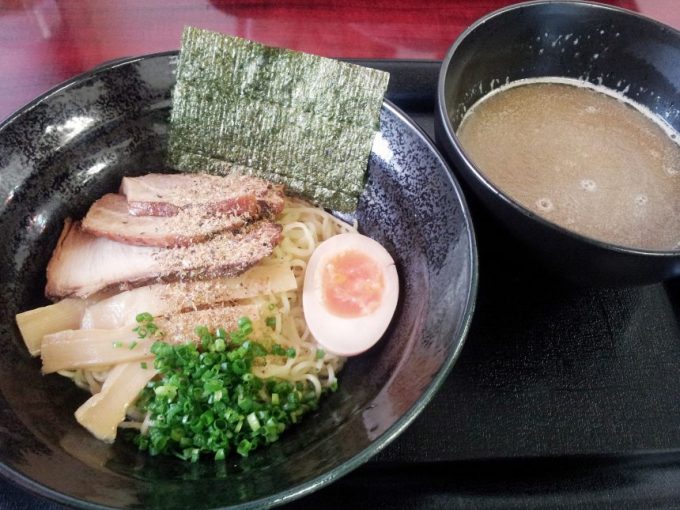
(109, 217)
(83, 264)
(168, 194)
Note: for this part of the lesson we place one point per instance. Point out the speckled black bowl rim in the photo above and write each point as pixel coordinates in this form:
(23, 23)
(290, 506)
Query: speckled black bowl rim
(391, 433)
(441, 111)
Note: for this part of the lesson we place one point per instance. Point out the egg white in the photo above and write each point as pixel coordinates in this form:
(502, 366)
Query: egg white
(348, 336)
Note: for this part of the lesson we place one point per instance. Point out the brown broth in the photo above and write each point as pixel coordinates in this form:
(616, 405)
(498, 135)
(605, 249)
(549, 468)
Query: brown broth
(582, 158)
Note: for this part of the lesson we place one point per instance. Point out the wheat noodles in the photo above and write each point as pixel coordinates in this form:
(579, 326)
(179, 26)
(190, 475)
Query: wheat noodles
(281, 320)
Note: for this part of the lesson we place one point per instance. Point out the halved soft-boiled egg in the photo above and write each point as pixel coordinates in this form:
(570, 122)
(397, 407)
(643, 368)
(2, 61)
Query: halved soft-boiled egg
(350, 293)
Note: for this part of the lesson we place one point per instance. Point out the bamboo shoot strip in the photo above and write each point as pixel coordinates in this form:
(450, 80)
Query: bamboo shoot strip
(163, 299)
(103, 412)
(35, 324)
(90, 348)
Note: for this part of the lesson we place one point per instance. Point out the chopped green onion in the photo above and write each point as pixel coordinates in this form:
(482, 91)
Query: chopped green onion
(144, 317)
(278, 350)
(166, 391)
(146, 326)
(117, 345)
(245, 325)
(206, 392)
(132, 345)
(253, 422)
(219, 345)
(202, 331)
(244, 447)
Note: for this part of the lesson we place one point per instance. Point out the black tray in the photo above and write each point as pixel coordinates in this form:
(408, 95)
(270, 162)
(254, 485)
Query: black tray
(562, 396)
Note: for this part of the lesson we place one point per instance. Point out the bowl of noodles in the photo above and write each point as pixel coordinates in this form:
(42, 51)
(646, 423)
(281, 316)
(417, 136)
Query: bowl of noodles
(75, 144)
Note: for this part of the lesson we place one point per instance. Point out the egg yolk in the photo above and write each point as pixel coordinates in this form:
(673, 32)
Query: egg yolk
(352, 284)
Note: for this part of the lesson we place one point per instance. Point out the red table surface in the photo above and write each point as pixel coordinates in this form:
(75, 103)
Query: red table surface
(44, 42)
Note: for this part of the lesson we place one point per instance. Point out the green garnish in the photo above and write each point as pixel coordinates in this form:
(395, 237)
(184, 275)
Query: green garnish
(207, 401)
(143, 365)
(145, 326)
(117, 345)
(144, 317)
(278, 350)
(270, 322)
(320, 354)
(301, 120)
(132, 345)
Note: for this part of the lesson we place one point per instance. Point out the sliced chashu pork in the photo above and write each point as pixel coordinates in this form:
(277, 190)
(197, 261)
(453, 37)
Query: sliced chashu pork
(109, 217)
(167, 194)
(83, 264)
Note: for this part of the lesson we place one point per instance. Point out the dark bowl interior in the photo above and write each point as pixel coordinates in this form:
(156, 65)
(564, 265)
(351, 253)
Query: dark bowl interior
(74, 144)
(607, 46)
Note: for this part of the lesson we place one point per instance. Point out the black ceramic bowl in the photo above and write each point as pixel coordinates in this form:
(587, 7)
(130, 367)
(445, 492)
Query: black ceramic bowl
(612, 47)
(75, 143)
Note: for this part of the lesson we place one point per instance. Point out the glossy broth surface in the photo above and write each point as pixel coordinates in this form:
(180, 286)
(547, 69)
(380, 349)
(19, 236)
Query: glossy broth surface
(582, 158)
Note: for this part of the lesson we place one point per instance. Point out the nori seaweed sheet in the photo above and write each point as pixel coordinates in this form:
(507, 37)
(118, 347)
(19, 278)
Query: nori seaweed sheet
(298, 119)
